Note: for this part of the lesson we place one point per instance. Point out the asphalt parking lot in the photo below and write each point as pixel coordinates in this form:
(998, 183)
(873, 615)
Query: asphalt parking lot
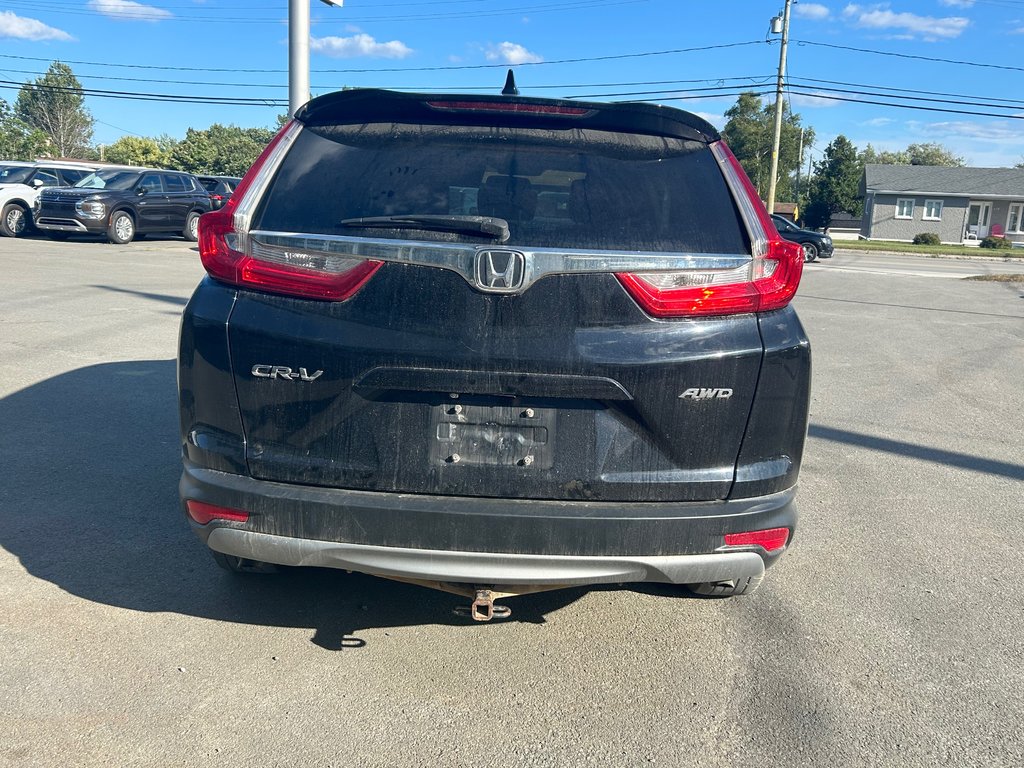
(889, 635)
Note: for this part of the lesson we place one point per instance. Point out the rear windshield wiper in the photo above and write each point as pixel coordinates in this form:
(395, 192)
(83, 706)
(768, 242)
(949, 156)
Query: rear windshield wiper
(473, 225)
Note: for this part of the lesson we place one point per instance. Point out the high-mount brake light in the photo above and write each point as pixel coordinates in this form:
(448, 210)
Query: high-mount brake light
(510, 106)
(768, 282)
(230, 256)
(204, 513)
(770, 540)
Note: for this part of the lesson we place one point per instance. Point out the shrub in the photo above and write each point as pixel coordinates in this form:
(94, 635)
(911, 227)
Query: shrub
(927, 238)
(995, 242)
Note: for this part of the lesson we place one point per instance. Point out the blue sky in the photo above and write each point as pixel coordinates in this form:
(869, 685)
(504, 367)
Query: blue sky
(640, 47)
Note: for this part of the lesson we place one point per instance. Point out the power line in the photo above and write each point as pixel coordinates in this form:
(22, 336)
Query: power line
(963, 102)
(451, 68)
(136, 96)
(912, 90)
(561, 86)
(912, 106)
(909, 56)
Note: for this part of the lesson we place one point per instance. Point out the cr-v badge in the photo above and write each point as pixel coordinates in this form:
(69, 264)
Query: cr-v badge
(284, 372)
(702, 393)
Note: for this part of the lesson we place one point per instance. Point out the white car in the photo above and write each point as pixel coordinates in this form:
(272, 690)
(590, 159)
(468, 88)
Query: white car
(20, 183)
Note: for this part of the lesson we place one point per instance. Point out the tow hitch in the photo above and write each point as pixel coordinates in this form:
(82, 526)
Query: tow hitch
(483, 607)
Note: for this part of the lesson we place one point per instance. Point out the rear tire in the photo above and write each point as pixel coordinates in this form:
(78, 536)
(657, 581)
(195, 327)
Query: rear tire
(810, 251)
(121, 229)
(14, 220)
(191, 230)
(728, 588)
(242, 565)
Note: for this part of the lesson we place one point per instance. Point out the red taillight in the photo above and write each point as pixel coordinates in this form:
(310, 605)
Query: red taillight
(768, 282)
(308, 276)
(216, 198)
(203, 513)
(326, 277)
(771, 540)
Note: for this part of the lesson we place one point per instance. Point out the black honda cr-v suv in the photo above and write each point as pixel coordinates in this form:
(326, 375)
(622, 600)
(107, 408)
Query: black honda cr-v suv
(495, 344)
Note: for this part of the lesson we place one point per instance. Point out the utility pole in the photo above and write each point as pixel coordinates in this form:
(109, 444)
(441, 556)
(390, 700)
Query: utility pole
(298, 52)
(799, 162)
(778, 107)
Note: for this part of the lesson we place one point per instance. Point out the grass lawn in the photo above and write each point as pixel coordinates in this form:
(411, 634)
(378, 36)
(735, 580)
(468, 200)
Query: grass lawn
(928, 250)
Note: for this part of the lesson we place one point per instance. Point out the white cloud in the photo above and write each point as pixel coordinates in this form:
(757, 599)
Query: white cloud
(12, 25)
(718, 121)
(957, 3)
(819, 100)
(878, 122)
(927, 28)
(359, 45)
(813, 11)
(512, 53)
(996, 132)
(129, 10)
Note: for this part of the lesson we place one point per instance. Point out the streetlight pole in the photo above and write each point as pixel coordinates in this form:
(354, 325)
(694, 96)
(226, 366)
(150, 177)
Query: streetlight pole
(778, 108)
(298, 52)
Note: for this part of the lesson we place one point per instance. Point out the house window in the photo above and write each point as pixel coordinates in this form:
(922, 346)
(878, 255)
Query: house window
(905, 208)
(932, 210)
(1015, 221)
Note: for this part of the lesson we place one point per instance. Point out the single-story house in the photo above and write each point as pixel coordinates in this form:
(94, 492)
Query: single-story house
(958, 204)
(789, 211)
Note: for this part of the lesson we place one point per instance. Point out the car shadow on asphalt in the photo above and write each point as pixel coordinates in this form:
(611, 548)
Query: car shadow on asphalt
(89, 503)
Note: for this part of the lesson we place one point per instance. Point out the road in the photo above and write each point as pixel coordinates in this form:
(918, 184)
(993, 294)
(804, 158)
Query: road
(917, 266)
(889, 634)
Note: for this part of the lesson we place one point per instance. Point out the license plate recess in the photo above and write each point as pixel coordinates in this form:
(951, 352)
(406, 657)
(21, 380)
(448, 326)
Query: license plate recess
(480, 435)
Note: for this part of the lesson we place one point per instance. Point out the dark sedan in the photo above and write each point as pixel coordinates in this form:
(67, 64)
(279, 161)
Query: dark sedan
(815, 244)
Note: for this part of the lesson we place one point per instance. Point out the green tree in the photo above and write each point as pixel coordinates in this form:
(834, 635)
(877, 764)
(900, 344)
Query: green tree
(54, 105)
(836, 185)
(135, 150)
(18, 140)
(220, 149)
(750, 131)
(914, 154)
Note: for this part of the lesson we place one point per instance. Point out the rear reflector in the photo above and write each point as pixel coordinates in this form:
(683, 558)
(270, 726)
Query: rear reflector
(768, 282)
(770, 540)
(203, 513)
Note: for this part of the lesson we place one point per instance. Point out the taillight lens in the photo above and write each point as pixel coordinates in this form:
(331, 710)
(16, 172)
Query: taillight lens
(307, 275)
(771, 539)
(204, 513)
(232, 258)
(768, 282)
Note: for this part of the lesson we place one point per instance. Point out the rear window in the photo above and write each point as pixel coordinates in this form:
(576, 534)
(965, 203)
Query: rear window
(72, 176)
(566, 188)
(175, 183)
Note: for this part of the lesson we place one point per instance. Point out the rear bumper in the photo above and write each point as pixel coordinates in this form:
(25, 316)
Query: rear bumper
(485, 541)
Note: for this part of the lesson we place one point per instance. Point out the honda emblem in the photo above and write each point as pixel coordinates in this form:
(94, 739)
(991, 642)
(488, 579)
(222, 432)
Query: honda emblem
(500, 271)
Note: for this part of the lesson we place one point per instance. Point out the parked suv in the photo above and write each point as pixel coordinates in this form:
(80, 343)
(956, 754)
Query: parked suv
(19, 189)
(497, 344)
(220, 188)
(123, 202)
(814, 244)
